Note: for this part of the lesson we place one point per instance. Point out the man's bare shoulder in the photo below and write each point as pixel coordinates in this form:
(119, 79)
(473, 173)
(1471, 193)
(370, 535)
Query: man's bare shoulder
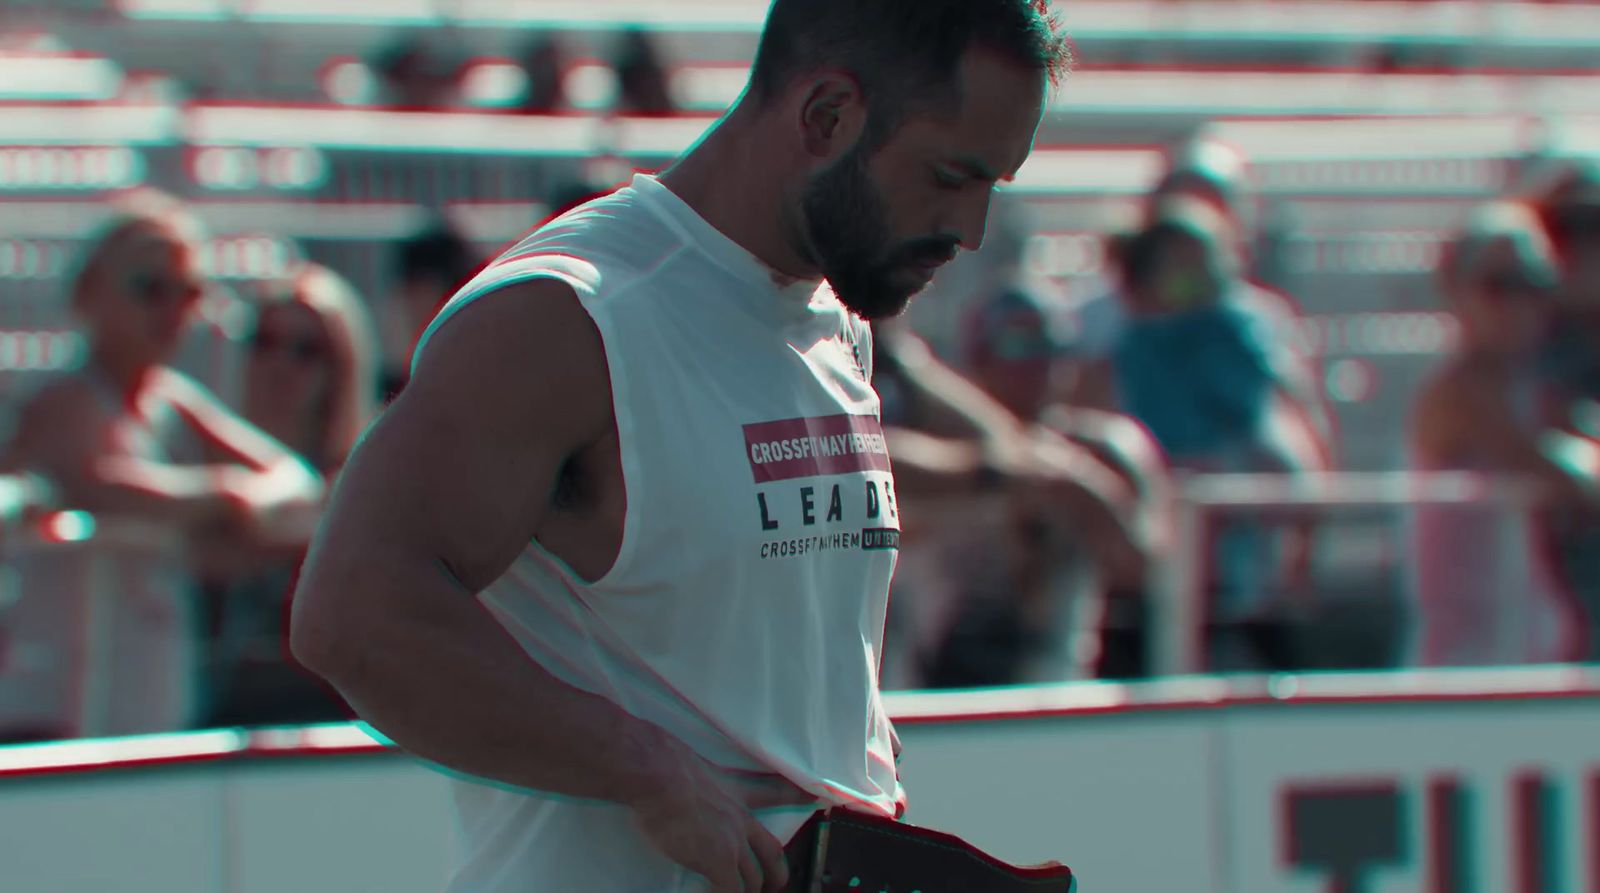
(62, 418)
(66, 398)
(505, 392)
(528, 349)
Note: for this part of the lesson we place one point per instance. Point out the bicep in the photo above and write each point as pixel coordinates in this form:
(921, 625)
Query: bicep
(460, 469)
(58, 432)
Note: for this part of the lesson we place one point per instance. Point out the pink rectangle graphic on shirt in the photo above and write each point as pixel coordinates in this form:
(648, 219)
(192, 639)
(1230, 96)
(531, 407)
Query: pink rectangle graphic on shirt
(800, 448)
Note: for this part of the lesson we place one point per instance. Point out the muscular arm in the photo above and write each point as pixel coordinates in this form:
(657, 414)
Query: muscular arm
(434, 505)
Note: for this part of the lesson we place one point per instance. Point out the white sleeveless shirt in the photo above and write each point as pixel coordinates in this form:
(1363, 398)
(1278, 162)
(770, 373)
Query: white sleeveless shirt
(745, 610)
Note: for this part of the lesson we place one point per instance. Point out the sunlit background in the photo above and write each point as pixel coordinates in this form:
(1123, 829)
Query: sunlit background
(1353, 659)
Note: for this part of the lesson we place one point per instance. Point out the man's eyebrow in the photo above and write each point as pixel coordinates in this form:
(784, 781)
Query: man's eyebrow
(974, 167)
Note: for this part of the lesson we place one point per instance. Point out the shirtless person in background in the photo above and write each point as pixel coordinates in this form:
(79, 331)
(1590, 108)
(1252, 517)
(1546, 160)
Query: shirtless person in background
(1484, 412)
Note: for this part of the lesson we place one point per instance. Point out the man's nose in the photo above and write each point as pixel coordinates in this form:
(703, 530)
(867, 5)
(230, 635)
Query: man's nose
(973, 220)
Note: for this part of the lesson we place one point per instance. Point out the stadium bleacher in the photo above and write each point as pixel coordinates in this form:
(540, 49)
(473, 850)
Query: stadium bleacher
(1370, 129)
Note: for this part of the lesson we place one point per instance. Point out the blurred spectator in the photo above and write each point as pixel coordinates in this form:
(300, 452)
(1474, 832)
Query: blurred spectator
(1212, 173)
(1206, 375)
(1477, 574)
(1200, 370)
(153, 454)
(428, 270)
(643, 85)
(1017, 341)
(544, 62)
(972, 606)
(311, 381)
(1566, 194)
(1011, 520)
(312, 378)
(416, 76)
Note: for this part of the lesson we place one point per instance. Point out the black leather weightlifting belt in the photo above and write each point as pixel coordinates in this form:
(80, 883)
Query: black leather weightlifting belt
(846, 852)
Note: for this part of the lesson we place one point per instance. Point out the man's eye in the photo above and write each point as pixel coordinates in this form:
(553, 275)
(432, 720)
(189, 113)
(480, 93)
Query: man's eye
(949, 180)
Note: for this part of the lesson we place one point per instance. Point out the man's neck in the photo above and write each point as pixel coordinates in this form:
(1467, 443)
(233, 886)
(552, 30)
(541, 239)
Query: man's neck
(739, 188)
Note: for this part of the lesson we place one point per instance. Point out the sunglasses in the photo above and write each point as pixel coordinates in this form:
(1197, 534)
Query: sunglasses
(303, 350)
(152, 288)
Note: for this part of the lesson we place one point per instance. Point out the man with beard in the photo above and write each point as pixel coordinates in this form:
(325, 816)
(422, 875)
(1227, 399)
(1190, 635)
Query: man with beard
(620, 552)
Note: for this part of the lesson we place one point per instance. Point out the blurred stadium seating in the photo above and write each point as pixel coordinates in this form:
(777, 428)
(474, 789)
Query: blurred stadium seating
(1370, 129)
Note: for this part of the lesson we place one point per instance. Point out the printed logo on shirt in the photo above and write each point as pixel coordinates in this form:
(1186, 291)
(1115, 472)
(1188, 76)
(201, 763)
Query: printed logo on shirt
(821, 516)
(804, 448)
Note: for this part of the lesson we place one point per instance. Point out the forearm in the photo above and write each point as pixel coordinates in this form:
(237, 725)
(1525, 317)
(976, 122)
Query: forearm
(187, 496)
(948, 403)
(448, 684)
(936, 466)
(282, 501)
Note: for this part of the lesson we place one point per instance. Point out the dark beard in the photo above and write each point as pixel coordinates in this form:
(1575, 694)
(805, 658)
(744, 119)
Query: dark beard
(847, 226)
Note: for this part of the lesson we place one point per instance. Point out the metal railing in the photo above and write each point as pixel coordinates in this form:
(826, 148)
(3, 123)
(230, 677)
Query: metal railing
(55, 661)
(1179, 578)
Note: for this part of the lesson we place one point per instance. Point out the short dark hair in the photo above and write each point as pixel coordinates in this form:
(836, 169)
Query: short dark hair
(1139, 256)
(904, 53)
(439, 253)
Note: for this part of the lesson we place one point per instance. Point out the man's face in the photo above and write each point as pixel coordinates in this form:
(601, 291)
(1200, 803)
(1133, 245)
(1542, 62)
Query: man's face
(879, 224)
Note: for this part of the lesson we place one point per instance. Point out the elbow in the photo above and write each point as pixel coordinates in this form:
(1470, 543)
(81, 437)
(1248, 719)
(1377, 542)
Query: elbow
(314, 635)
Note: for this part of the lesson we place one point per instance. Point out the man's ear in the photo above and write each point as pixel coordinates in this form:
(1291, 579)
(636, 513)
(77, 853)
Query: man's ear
(833, 115)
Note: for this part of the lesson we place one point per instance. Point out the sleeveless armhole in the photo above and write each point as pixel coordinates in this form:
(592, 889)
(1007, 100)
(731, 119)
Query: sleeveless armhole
(620, 391)
(867, 344)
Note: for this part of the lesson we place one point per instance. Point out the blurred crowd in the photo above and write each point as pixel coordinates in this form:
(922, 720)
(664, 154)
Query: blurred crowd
(1185, 364)
(158, 494)
(420, 72)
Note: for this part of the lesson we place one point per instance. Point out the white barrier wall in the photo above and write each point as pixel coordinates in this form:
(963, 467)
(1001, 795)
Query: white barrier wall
(1476, 782)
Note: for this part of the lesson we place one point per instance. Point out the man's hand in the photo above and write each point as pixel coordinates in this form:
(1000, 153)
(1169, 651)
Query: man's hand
(700, 817)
